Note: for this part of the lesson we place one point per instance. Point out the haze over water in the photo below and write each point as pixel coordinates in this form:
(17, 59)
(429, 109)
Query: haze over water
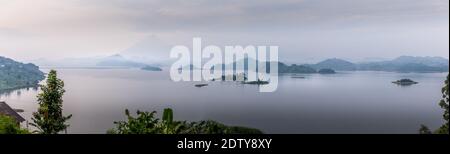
(347, 102)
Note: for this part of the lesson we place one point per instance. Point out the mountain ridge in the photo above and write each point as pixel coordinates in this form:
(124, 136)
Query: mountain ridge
(15, 74)
(399, 64)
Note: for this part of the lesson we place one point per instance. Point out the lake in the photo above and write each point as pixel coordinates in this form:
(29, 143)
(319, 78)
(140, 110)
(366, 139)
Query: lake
(347, 102)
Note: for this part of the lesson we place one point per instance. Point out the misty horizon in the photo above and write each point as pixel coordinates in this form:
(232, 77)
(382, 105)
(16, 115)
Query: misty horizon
(92, 61)
(305, 30)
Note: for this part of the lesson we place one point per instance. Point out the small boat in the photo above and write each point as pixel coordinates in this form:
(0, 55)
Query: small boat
(201, 85)
(259, 82)
(298, 77)
(19, 110)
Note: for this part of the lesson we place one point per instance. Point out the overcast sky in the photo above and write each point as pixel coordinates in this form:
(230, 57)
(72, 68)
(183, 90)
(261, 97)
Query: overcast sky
(304, 30)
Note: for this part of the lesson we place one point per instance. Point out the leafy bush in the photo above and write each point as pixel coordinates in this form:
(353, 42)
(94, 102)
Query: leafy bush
(9, 126)
(146, 123)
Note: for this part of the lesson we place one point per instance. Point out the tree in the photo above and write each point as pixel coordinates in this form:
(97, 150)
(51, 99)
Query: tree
(444, 105)
(169, 126)
(9, 126)
(49, 118)
(146, 123)
(424, 130)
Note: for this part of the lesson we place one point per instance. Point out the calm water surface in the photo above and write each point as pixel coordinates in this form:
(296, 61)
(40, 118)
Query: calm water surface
(347, 102)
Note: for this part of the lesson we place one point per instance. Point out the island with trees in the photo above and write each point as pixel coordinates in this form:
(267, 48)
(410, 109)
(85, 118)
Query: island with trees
(151, 68)
(405, 82)
(326, 71)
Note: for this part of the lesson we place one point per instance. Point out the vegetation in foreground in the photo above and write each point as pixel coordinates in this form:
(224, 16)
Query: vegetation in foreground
(444, 129)
(9, 126)
(49, 118)
(146, 123)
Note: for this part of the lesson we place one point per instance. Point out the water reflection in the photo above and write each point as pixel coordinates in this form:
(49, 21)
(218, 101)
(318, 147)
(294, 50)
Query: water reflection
(346, 102)
(17, 92)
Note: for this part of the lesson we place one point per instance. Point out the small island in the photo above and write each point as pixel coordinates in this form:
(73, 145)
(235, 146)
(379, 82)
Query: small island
(327, 71)
(151, 68)
(405, 82)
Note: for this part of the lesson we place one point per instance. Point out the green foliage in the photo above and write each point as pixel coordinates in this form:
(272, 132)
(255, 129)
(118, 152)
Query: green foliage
(168, 115)
(9, 126)
(444, 129)
(146, 123)
(424, 130)
(213, 127)
(444, 105)
(168, 126)
(49, 118)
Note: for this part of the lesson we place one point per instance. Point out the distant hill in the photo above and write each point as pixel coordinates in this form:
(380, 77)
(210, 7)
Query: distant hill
(428, 61)
(282, 67)
(16, 75)
(118, 61)
(408, 64)
(92, 62)
(152, 50)
(335, 64)
(400, 64)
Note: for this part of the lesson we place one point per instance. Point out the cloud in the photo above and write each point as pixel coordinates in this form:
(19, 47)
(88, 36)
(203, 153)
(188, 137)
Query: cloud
(302, 28)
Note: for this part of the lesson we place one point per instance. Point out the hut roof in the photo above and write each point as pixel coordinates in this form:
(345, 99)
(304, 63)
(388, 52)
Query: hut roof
(5, 109)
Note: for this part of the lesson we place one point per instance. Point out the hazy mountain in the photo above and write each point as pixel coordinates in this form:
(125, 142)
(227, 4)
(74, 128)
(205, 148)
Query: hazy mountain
(400, 64)
(335, 64)
(92, 62)
(282, 67)
(371, 59)
(15, 74)
(67, 62)
(150, 50)
(428, 61)
(408, 64)
(118, 61)
(295, 69)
